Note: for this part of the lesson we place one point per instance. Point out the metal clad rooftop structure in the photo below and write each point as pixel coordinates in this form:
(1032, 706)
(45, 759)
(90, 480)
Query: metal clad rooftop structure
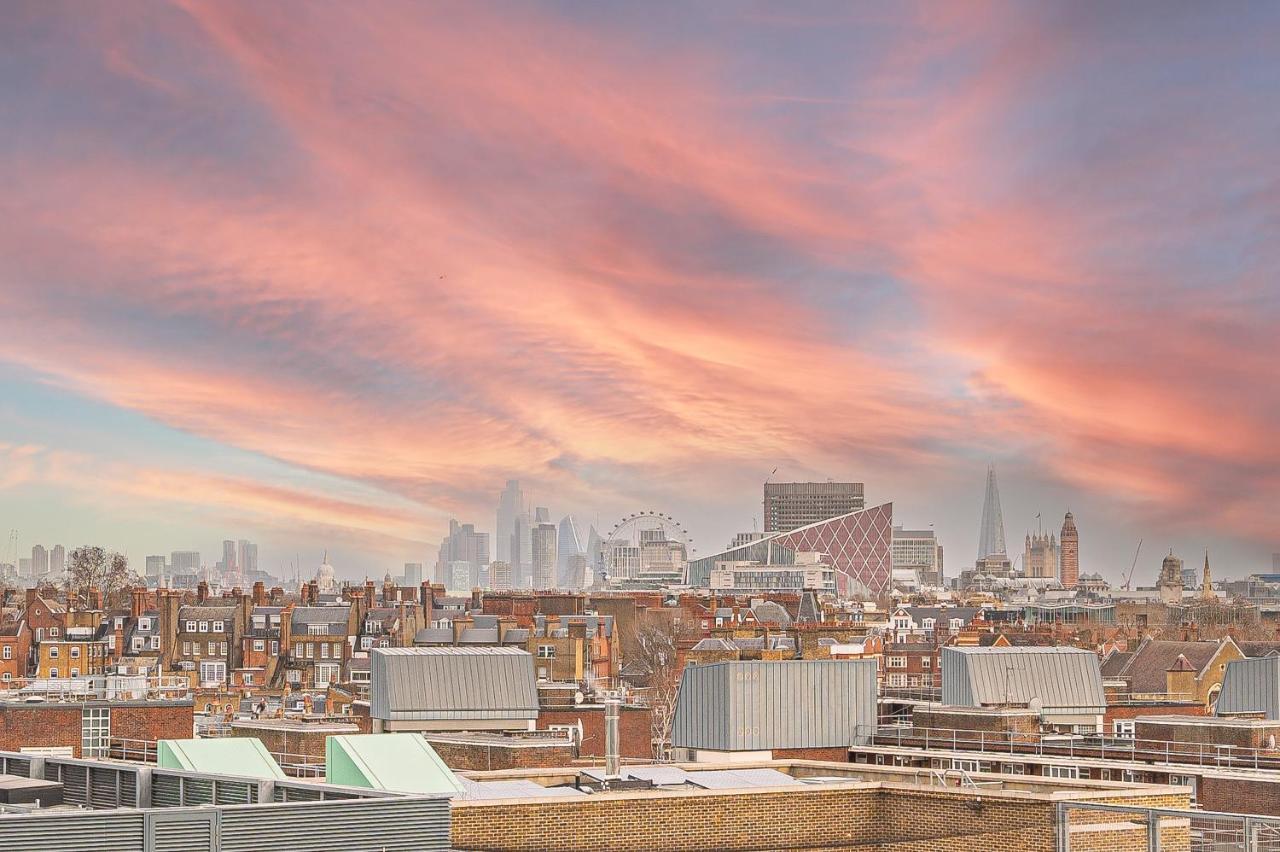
(1251, 686)
(243, 756)
(754, 706)
(1057, 678)
(452, 683)
(405, 763)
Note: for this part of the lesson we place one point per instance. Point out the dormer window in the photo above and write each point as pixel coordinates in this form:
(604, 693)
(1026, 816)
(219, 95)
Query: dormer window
(191, 627)
(204, 627)
(219, 627)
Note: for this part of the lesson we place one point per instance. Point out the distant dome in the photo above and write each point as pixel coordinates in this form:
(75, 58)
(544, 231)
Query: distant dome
(325, 579)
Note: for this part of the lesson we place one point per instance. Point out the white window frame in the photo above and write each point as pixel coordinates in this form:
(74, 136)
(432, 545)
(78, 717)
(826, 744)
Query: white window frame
(191, 627)
(219, 627)
(1123, 728)
(1055, 771)
(323, 672)
(896, 663)
(6, 653)
(204, 627)
(259, 645)
(155, 643)
(53, 652)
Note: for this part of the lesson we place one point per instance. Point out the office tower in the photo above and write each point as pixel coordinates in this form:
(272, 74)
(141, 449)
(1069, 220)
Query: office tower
(521, 551)
(568, 548)
(57, 560)
(155, 567)
(500, 576)
(790, 505)
(595, 556)
(39, 561)
(542, 538)
(991, 533)
(413, 573)
(228, 555)
(24, 567)
(510, 504)
(745, 538)
(247, 560)
(460, 576)
(1040, 558)
(1069, 557)
(462, 544)
(184, 561)
(918, 551)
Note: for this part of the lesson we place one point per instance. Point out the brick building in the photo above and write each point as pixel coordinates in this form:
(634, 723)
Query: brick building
(15, 651)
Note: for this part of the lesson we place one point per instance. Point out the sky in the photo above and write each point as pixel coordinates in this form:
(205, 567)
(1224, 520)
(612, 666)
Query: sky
(324, 275)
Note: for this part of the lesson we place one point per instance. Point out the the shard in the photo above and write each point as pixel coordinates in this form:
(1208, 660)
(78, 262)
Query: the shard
(991, 536)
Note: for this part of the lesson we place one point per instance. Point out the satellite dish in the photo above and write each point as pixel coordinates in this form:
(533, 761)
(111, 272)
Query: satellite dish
(578, 697)
(1035, 705)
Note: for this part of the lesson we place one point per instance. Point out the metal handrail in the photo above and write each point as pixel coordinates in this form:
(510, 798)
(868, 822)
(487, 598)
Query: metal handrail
(1076, 745)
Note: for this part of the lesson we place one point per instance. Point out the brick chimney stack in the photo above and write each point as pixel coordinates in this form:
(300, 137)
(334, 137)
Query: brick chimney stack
(137, 602)
(259, 593)
(202, 592)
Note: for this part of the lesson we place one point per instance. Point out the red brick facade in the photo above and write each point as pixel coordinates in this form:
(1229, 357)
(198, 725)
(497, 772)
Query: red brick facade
(57, 725)
(635, 726)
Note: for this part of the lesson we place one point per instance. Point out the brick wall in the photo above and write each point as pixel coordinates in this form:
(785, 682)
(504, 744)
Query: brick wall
(635, 725)
(1242, 736)
(889, 817)
(289, 740)
(1239, 795)
(492, 756)
(839, 754)
(40, 726)
(170, 721)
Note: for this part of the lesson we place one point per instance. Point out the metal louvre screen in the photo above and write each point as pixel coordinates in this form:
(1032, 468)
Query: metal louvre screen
(402, 825)
(15, 766)
(122, 832)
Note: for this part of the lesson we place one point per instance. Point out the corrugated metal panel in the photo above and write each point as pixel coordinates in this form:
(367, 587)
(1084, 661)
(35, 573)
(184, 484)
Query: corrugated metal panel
(183, 831)
(166, 791)
(368, 825)
(452, 683)
(1251, 686)
(757, 706)
(74, 778)
(235, 793)
(1059, 678)
(118, 832)
(10, 765)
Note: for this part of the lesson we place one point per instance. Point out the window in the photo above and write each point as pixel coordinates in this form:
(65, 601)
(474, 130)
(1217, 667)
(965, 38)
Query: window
(6, 676)
(926, 680)
(964, 765)
(897, 662)
(53, 652)
(371, 627)
(222, 648)
(204, 627)
(75, 652)
(191, 627)
(275, 646)
(144, 624)
(53, 631)
(928, 623)
(324, 650)
(137, 644)
(897, 680)
(293, 676)
(1062, 772)
(547, 652)
(926, 662)
(212, 673)
(259, 622)
(75, 673)
(956, 624)
(248, 679)
(1013, 769)
(155, 643)
(7, 652)
(309, 650)
(360, 677)
(1122, 728)
(219, 627)
(259, 645)
(95, 731)
(53, 672)
(326, 673)
(366, 642)
(186, 649)
(213, 648)
(317, 629)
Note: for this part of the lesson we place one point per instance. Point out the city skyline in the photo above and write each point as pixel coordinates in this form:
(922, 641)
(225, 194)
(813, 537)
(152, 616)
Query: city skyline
(660, 261)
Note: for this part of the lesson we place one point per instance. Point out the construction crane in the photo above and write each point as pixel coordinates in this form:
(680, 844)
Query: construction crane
(1129, 577)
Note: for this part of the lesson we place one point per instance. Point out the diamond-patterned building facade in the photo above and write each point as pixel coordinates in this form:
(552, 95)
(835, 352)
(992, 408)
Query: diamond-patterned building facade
(858, 546)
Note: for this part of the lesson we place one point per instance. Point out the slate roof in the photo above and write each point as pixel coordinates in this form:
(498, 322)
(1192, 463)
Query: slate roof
(1146, 670)
(1115, 663)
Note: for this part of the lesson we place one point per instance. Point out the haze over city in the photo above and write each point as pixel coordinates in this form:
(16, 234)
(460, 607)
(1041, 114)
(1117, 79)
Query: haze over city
(326, 276)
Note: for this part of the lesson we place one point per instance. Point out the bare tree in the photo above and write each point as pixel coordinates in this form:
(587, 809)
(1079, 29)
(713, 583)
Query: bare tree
(652, 657)
(95, 568)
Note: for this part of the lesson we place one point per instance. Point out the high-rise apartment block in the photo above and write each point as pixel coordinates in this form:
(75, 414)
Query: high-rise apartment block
(155, 567)
(184, 561)
(57, 559)
(247, 557)
(228, 555)
(413, 574)
(542, 539)
(1069, 556)
(500, 575)
(791, 505)
(39, 561)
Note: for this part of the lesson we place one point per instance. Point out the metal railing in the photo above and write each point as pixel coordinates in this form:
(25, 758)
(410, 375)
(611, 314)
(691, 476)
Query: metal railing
(95, 687)
(1096, 826)
(144, 751)
(1078, 746)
